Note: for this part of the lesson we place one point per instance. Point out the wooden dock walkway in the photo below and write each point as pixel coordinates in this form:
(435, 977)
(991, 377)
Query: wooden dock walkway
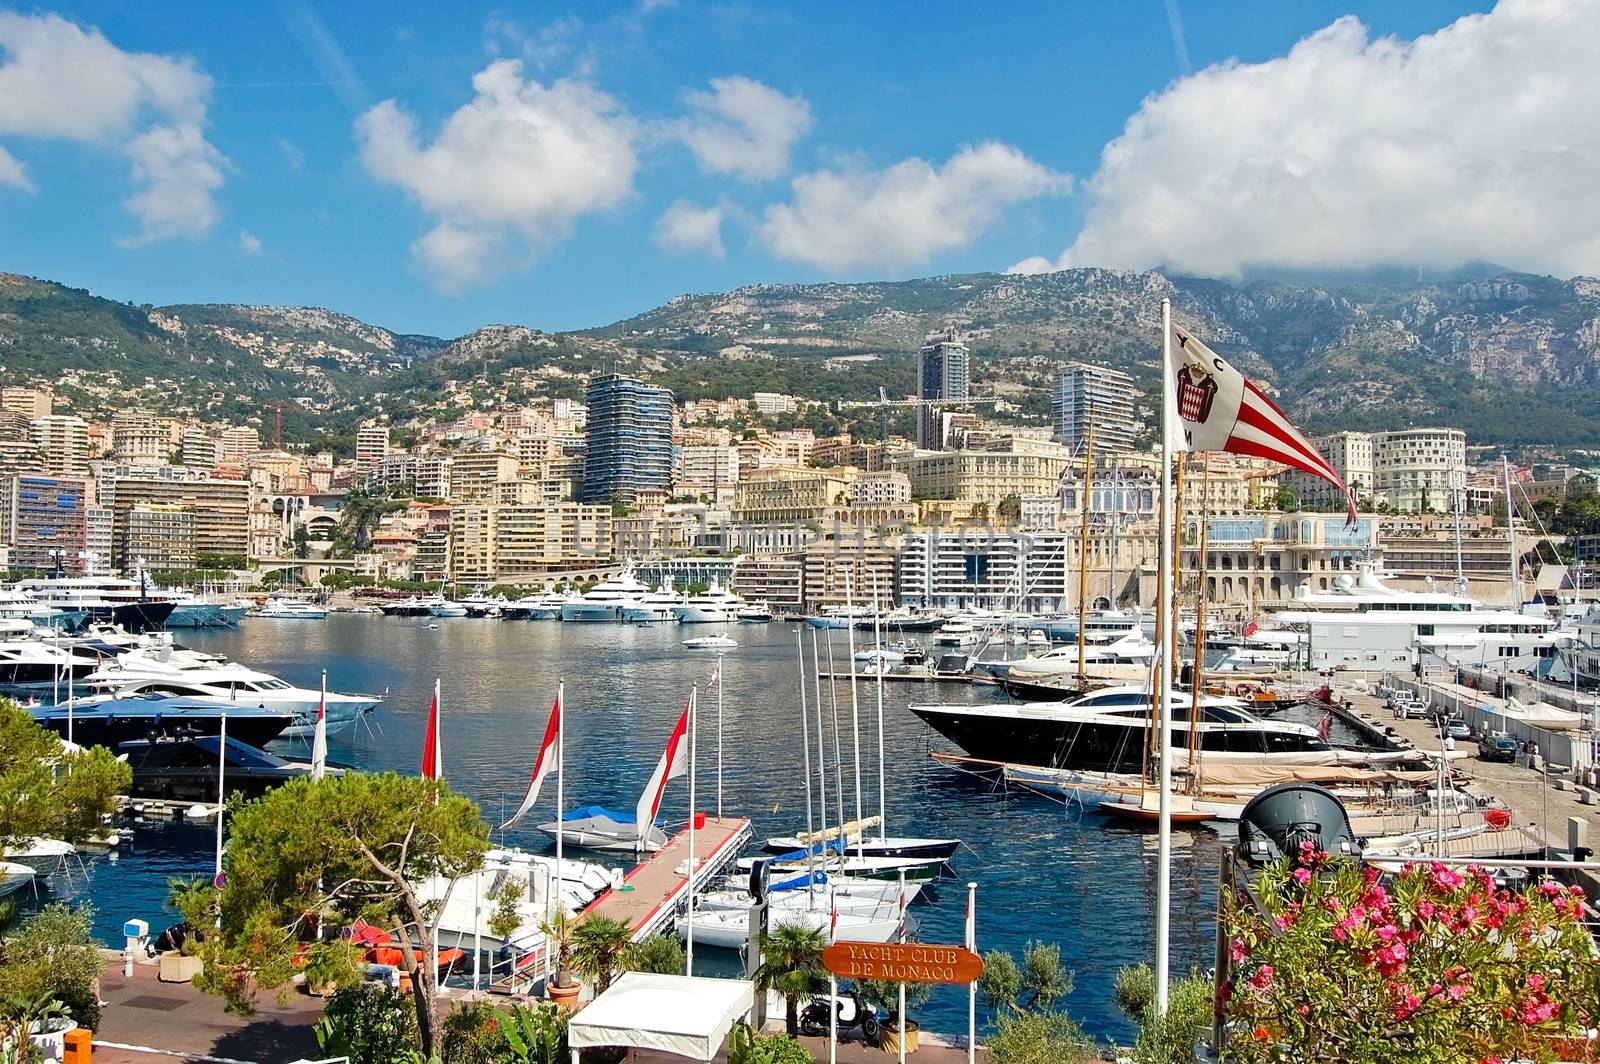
(652, 893)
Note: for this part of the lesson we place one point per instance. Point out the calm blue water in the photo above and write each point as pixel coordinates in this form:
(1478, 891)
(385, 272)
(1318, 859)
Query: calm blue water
(1044, 871)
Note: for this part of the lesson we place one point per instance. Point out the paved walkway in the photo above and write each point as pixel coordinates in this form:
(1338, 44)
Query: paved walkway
(190, 1026)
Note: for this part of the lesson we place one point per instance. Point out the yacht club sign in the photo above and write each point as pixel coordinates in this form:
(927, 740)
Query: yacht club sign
(902, 962)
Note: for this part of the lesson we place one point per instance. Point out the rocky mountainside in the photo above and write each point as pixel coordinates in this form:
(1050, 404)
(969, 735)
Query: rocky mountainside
(1513, 357)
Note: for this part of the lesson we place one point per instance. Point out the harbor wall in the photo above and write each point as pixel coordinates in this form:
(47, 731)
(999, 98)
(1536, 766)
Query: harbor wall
(1570, 749)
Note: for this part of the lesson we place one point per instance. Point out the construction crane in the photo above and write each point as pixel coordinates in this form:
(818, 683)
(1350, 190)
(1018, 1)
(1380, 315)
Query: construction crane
(276, 406)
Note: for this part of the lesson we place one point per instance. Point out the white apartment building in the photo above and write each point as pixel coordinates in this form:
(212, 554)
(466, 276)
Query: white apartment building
(30, 402)
(372, 444)
(1411, 470)
(775, 403)
(197, 448)
(63, 442)
(237, 445)
(887, 487)
(708, 467)
(137, 439)
(1096, 395)
(1420, 469)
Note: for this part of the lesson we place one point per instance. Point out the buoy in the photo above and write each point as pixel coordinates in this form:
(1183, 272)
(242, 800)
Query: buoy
(197, 812)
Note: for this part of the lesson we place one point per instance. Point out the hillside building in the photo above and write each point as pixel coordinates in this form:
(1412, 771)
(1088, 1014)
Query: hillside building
(43, 520)
(629, 439)
(63, 442)
(943, 373)
(1094, 395)
(138, 439)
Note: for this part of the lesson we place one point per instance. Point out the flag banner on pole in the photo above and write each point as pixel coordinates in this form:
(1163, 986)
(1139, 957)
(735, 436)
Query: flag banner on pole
(319, 738)
(542, 766)
(1214, 407)
(674, 763)
(433, 744)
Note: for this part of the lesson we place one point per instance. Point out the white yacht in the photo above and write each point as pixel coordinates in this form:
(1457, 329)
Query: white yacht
(839, 616)
(288, 608)
(662, 604)
(223, 683)
(545, 606)
(1130, 649)
(956, 632)
(101, 598)
(16, 604)
(714, 605)
(439, 606)
(1106, 730)
(606, 600)
(1362, 624)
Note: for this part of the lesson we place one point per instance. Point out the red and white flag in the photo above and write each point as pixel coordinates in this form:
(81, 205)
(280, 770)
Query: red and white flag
(1214, 407)
(542, 766)
(319, 738)
(433, 744)
(674, 763)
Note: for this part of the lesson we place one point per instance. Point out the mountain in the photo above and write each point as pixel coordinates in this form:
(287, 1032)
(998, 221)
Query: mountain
(1514, 358)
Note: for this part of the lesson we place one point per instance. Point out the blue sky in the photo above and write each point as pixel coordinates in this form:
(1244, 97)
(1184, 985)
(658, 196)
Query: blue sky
(250, 155)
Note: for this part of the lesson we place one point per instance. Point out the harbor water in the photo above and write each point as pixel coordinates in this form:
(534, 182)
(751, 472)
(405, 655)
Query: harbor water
(1045, 870)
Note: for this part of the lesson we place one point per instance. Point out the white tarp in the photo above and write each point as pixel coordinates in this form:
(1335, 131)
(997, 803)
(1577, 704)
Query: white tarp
(684, 1015)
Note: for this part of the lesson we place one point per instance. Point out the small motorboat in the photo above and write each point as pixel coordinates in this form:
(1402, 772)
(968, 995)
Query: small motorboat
(14, 876)
(44, 856)
(730, 928)
(186, 769)
(594, 827)
(855, 846)
(709, 642)
(890, 654)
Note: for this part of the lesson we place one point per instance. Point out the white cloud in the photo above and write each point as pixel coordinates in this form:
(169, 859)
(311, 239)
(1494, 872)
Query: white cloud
(512, 169)
(904, 215)
(743, 127)
(1477, 142)
(292, 154)
(11, 172)
(61, 81)
(249, 243)
(684, 229)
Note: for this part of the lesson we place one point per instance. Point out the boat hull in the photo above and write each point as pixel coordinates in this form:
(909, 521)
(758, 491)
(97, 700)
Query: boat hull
(108, 728)
(584, 613)
(918, 849)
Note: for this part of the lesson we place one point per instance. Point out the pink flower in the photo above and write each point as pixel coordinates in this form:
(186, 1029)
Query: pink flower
(1262, 979)
(1302, 876)
(1536, 983)
(1425, 909)
(1237, 952)
(1445, 879)
(1407, 1005)
(1457, 991)
(1551, 889)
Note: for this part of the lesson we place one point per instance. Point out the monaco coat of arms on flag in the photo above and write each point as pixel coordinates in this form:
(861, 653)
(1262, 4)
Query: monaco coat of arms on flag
(1196, 391)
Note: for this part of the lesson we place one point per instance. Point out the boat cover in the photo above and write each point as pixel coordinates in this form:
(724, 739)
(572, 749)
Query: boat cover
(688, 1016)
(590, 812)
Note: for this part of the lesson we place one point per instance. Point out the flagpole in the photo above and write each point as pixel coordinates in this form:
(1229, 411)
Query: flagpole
(222, 769)
(855, 708)
(805, 746)
(719, 736)
(319, 737)
(561, 786)
(877, 637)
(689, 912)
(1164, 672)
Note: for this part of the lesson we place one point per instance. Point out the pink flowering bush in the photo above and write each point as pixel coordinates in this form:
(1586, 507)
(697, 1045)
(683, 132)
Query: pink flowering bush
(1435, 966)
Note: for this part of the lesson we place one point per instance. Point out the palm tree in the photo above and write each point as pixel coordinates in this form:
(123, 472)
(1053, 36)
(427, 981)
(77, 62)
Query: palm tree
(558, 932)
(791, 964)
(597, 945)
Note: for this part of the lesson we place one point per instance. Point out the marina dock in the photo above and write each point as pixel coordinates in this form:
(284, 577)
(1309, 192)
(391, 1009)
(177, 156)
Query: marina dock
(653, 893)
(649, 897)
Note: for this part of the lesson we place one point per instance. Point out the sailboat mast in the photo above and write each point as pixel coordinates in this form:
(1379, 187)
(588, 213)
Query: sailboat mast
(822, 760)
(1116, 519)
(1456, 491)
(805, 726)
(1511, 536)
(1176, 537)
(1083, 546)
(1197, 674)
(838, 756)
(855, 707)
(877, 636)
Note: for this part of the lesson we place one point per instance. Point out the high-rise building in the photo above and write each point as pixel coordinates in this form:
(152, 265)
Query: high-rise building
(1094, 395)
(138, 439)
(221, 508)
(629, 439)
(237, 445)
(33, 402)
(63, 441)
(157, 537)
(372, 443)
(942, 373)
(1411, 470)
(42, 518)
(97, 540)
(197, 449)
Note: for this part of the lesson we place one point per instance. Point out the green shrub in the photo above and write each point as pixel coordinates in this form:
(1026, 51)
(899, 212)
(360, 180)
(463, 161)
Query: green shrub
(1039, 1038)
(1168, 1039)
(54, 955)
(747, 1047)
(658, 955)
(371, 1023)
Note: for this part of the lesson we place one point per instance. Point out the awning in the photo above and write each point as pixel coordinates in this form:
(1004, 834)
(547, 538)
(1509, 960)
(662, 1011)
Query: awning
(684, 1015)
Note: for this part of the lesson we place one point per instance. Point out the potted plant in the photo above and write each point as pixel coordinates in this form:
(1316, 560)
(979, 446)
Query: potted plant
(195, 901)
(885, 997)
(791, 965)
(33, 1028)
(597, 947)
(563, 987)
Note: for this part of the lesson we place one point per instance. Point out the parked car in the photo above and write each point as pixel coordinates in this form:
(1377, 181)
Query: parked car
(1497, 748)
(1457, 729)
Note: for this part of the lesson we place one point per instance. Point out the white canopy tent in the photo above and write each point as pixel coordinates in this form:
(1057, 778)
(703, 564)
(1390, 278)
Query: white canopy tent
(684, 1015)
